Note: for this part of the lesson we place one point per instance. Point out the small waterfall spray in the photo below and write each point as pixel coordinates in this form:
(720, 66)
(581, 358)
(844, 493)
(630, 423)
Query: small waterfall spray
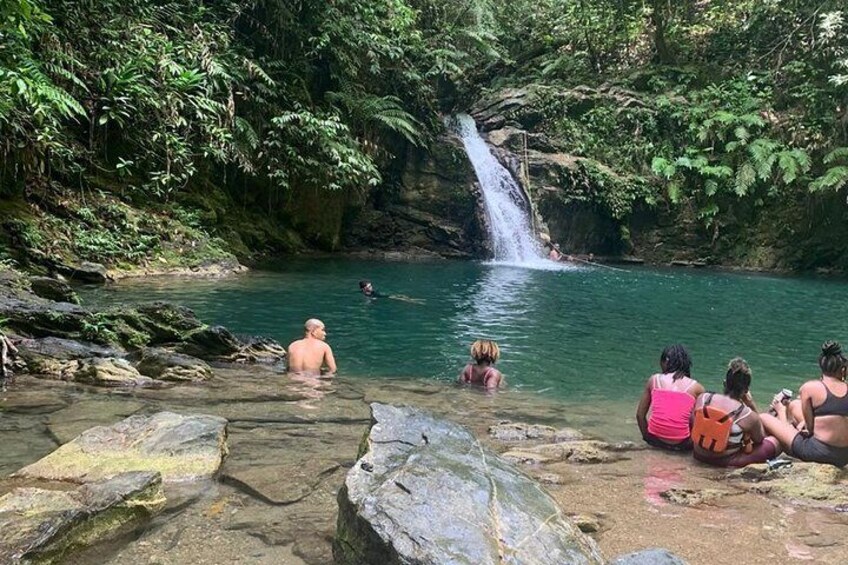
(506, 208)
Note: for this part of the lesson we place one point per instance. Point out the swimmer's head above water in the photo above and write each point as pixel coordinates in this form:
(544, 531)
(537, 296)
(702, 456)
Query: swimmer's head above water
(485, 351)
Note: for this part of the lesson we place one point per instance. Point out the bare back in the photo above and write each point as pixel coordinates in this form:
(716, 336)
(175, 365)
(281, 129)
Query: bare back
(309, 355)
(831, 429)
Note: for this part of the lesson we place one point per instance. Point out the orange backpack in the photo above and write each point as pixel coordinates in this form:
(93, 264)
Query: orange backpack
(712, 427)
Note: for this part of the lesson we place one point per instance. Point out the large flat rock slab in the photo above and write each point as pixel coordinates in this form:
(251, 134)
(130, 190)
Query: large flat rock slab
(426, 491)
(181, 448)
(43, 525)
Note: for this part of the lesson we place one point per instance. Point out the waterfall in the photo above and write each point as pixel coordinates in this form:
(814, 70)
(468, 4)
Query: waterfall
(505, 204)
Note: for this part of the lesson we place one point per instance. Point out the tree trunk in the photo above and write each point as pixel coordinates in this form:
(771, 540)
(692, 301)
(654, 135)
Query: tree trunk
(660, 14)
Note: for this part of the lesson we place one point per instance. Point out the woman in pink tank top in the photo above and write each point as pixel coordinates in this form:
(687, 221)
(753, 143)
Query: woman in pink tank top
(669, 396)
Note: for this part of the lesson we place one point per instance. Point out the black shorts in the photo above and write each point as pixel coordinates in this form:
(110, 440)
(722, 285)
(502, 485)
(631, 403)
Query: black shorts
(651, 439)
(808, 448)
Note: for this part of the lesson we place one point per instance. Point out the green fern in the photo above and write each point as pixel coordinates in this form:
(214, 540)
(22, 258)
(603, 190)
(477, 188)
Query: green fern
(834, 179)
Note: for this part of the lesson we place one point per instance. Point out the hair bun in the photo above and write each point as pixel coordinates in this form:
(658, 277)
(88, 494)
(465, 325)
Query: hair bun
(831, 348)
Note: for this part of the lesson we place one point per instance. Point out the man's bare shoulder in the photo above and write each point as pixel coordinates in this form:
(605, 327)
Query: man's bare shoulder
(296, 344)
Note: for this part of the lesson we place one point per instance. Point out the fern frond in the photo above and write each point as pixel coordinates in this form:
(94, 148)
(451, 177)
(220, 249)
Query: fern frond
(746, 176)
(834, 179)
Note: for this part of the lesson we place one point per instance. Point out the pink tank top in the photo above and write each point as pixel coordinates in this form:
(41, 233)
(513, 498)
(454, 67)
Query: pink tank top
(468, 375)
(670, 410)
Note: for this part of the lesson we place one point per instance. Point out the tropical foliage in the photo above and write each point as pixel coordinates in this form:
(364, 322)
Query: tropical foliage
(707, 105)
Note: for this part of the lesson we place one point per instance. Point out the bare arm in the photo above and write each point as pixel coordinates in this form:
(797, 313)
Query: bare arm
(748, 401)
(494, 380)
(329, 360)
(807, 395)
(753, 426)
(642, 408)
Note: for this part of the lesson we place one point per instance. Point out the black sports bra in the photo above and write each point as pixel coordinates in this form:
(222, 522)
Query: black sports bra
(833, 405)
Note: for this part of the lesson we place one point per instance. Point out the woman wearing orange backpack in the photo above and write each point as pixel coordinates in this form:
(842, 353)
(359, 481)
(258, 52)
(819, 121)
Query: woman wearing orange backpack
(726, 429)
(816, 426)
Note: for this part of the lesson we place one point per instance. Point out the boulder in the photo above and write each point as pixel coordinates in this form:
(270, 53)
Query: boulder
(210, 342)
(85, 272)
(648, 557)
(426, 491)
(164, 365)
(256, 349)
(181, 448)
(107, 371)
(53, 289)
(52, 356)
(44, 526)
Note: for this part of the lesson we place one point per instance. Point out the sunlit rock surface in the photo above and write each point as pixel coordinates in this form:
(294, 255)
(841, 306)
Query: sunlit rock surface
(181, 448)
(42, 525)
(426, 491)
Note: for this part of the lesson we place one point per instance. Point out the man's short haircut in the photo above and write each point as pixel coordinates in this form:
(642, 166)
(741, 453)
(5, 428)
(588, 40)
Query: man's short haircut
(312, 324)
(363, 283)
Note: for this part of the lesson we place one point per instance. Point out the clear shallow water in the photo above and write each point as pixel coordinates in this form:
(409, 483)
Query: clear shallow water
(587, 334)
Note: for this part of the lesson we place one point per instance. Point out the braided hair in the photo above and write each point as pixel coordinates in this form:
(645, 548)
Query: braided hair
(738, 378)
(675, 359)
(832, 361)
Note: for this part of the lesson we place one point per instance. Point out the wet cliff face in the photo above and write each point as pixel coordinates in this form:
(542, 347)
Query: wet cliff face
(567, 197)
(430, 208)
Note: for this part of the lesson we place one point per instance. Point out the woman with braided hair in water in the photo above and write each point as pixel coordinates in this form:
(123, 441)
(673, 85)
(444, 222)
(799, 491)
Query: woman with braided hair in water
(669, 396)
(815, 427)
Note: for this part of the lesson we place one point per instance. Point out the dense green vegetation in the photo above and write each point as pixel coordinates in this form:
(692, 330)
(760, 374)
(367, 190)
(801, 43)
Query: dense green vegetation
(720, 107)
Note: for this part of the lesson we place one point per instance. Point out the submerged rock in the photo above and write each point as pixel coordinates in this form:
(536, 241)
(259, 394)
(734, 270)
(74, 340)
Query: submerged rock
(181, 448)
(44, 526)
(691, 497)
(577, 451)
(519, 431)
(426, 491)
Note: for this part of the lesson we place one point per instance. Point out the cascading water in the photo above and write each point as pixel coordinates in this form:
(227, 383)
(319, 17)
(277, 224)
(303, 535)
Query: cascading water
(504, 201)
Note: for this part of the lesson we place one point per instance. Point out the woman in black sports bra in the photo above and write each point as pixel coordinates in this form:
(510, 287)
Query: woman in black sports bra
(815, 427)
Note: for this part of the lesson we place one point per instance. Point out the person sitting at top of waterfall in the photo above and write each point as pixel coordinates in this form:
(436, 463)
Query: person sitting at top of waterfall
(311, 354)
(726, 429)
(670, 396)
(485, 353)
(815, 427)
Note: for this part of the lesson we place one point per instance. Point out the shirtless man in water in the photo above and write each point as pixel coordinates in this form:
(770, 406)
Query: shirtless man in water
(310, 354)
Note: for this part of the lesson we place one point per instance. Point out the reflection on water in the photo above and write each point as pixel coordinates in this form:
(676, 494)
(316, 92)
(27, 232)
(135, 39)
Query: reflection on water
(664, 472)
